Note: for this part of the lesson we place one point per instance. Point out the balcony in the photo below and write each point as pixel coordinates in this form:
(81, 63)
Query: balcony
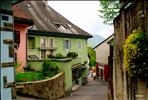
(48, 48)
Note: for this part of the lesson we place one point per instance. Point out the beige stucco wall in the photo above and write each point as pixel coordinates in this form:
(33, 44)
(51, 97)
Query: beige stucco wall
(102, 52)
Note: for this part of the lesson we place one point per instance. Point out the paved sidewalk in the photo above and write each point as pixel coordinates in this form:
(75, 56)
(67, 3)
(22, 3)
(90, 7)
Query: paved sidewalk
(94, 90)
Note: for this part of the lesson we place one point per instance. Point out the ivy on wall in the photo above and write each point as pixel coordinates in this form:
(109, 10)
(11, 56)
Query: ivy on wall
(136, 54)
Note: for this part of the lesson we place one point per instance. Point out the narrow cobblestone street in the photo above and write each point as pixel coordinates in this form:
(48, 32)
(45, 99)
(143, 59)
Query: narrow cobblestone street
(94, 90)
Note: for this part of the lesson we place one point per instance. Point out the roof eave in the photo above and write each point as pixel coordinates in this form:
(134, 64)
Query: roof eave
(103, 41)
(57, 34)
(23, 21)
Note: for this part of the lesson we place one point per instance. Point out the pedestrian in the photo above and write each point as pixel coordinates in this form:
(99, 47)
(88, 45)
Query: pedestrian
(90, 73)
(97, 70)
(94, 75)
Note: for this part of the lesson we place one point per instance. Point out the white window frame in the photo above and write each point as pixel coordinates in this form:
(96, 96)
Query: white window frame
(49, 42)
(45, 41)
(68, 44)
(79, 41)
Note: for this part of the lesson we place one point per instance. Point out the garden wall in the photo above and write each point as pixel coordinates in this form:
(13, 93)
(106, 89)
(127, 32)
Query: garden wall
(64, 66)
(51, 88)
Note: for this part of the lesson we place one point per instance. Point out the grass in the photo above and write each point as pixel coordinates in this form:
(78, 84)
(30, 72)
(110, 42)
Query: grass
(31, 76)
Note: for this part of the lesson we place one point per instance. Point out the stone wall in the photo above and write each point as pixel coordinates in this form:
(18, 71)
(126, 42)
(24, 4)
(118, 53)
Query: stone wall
(51, 88)
(142, 93)
(132, 16)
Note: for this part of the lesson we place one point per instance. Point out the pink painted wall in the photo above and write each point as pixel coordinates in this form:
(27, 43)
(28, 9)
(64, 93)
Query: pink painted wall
(21, 51)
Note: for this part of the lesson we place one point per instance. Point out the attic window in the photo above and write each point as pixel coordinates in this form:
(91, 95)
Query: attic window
(57, 25)
(28, 6)
(69, 26)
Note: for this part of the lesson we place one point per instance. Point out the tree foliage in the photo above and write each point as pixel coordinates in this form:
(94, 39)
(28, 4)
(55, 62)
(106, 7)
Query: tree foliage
(109, 10)
(92, 57)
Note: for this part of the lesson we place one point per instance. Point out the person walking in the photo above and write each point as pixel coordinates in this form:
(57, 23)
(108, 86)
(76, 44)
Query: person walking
(94, 73)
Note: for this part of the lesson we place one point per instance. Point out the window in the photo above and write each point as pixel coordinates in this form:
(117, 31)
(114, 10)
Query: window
(69, 26)
(67, 44)
(31, 42)
(17, 37)
(43, 42)
(43, 54)
(51, 42)
(6, 18)
(79, 44)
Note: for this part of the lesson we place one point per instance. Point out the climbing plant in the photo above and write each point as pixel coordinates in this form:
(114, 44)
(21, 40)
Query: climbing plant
(136, 54)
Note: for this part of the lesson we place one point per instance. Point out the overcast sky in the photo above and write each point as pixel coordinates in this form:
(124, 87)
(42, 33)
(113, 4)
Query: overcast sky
(84, 14)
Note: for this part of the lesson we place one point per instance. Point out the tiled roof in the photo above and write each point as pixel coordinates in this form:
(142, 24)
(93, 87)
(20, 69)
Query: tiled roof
(47, 19)
(20, 17)
(17, 12)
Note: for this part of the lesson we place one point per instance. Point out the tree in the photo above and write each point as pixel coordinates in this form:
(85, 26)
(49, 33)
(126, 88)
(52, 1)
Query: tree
(110, 9)
(92, 57)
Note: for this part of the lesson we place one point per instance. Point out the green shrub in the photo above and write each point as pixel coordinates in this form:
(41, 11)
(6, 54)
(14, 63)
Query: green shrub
(16, 65)
(72, 54)
(28, 68)
(92, 57)
(136, 54)
(59, 55)
(49, 67)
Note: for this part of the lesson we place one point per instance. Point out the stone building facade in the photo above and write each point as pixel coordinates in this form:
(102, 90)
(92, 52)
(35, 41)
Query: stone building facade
(133, 14)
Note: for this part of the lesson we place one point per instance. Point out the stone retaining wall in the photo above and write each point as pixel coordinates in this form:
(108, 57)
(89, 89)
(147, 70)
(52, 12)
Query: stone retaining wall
(51, 88)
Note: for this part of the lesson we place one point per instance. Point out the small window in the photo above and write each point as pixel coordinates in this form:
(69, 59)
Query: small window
(17, 37)
(67, 44)
(69, 26)
(43, 54)
(43, 42)
(51, 42)
(6, 18)
(79, 44)
(57, 25)
(31, 42)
